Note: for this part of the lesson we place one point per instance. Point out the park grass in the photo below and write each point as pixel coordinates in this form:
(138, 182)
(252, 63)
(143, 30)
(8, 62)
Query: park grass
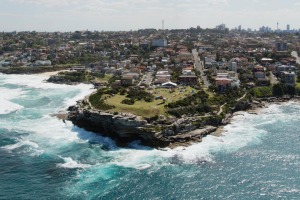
(210, 94)
(149, 109)
(105, 78)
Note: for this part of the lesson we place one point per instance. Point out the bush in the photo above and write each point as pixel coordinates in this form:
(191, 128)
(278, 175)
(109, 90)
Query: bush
(260, 92)
(151, 119)
(122, 91)
(97, 102)
(138, 94)
(199, 97)
(128, 101)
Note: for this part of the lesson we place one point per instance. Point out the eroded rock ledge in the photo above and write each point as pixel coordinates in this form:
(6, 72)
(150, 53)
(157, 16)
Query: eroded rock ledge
(125, 128)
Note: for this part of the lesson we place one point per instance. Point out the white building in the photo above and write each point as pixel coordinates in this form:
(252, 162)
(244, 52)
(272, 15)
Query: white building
(159, 43)
(232, 66)
(289, 78)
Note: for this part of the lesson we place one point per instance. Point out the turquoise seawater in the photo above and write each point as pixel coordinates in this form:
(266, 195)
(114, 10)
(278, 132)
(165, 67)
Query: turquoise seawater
(41, 157)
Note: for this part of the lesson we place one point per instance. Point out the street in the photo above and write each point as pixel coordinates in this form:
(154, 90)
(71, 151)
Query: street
(273, 79)
(146, 79)
(199, 66)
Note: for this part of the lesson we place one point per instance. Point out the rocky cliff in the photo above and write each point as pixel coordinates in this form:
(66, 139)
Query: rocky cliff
(125, 128)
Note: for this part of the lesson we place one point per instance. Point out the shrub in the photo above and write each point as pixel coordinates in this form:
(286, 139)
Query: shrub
(128, 101)
(138, 94)
(97, 102)
(261, 92)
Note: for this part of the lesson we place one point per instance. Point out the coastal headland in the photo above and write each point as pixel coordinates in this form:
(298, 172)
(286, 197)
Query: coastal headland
(166, 88)
(161, 132)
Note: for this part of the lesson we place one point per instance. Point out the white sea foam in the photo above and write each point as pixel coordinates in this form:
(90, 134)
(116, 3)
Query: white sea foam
(8, 107)
(53, 135)
(21, 143)
(237, 135)
(32, 81)
(84, 91)
(143, 166)
(9, 94)
(72, 164)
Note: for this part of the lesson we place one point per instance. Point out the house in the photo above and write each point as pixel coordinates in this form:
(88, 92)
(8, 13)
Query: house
(188, 79)
(165, 59)
(43, 62)
(284, 68)
(209, 62)
(163, 74)
(266, 61)
(127, 81)
(289, 78)
(233, 66)
(129, 78)
(263, 81)
(259, 74)
(78, 68)
(259, 68)
(281, 46)
(159, 43)
(161, 80)
(223, 84)
(261, 78)
(169, 85)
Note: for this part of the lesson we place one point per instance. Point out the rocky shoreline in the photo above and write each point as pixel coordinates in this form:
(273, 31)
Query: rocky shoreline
(125, 127)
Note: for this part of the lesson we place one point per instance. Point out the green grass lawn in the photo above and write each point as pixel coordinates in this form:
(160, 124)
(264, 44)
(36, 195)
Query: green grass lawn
(149, 109)
(210, 94)
(105, 78)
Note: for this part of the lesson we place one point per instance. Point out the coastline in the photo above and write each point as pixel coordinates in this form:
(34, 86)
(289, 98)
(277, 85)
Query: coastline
(167, 137)
(48, 74)
(257, 110)
(127, 128)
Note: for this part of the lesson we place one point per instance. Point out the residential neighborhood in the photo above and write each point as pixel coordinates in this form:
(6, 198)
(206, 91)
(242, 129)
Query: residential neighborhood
(216, 59)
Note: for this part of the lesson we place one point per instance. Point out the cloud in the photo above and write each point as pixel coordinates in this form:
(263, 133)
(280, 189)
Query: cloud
(132, 14)
(49, 3)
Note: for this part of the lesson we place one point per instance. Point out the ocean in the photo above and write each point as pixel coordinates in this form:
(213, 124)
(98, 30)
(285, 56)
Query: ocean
(41, 157)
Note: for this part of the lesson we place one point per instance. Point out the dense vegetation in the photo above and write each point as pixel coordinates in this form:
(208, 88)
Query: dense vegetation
(32, 70)
(259, 92)
(276, 90)
(75, 76)
(98, 102)
(194, 104)
(139, 94)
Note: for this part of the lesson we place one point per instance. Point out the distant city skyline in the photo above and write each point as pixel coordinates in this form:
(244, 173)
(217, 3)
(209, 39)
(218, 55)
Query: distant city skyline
(114, 15)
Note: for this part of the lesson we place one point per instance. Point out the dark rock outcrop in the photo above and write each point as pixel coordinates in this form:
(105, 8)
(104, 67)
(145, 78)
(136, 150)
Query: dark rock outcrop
(242, 105)
(125, 128)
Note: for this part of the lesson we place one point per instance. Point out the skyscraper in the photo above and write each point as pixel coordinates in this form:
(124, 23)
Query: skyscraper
(288, 27)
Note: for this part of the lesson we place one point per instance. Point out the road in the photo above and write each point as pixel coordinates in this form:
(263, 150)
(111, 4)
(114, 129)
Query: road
(199, 66)
(146, 79)
(273, 79)
(295, 54)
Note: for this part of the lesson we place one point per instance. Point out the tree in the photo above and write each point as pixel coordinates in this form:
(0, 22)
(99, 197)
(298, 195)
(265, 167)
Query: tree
(278, 89)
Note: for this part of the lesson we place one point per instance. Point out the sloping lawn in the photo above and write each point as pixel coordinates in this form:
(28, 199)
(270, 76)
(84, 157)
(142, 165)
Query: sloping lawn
(149, 109)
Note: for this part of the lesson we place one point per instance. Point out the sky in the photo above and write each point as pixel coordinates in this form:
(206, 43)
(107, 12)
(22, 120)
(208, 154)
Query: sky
(119, 15)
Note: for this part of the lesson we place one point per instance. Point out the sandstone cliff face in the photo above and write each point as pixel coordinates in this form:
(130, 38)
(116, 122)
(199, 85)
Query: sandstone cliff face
(126, 128)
